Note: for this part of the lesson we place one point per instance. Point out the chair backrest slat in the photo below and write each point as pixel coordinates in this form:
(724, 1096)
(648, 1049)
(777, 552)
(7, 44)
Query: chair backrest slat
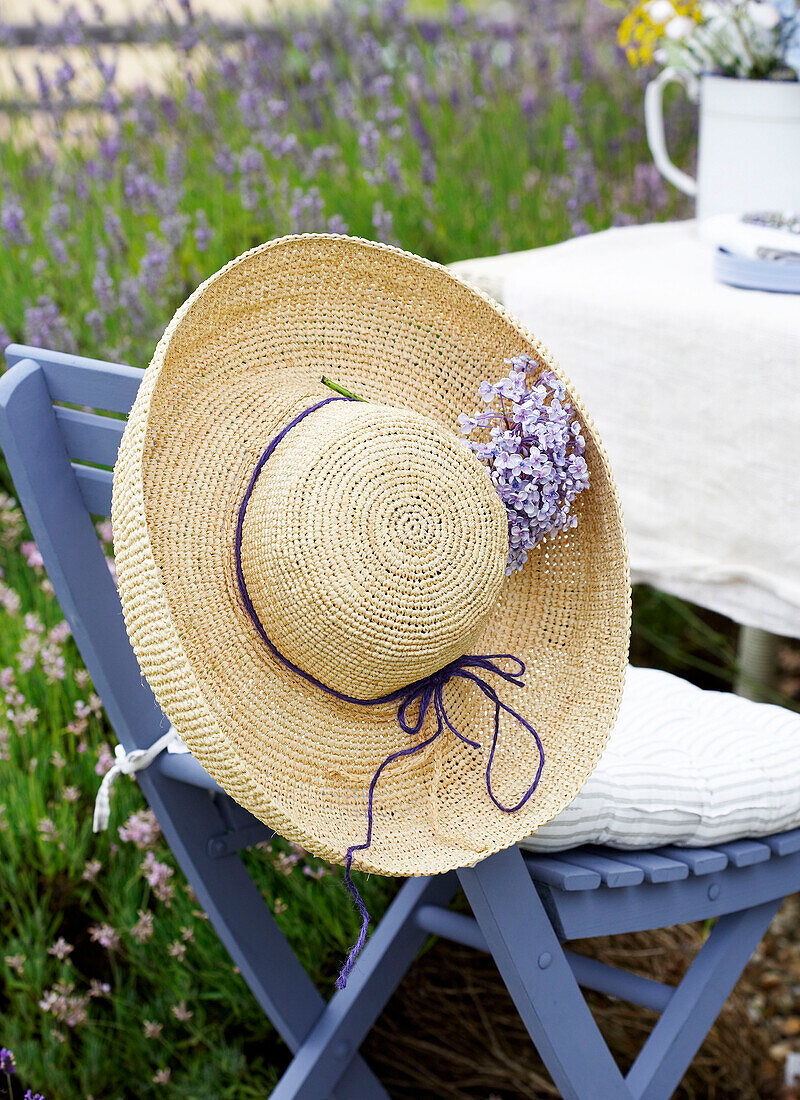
(95, 486)
(57, 497)
(89, 437)
(76, 380)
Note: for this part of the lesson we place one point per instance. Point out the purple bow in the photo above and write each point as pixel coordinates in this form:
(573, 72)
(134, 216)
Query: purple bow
(423, 693)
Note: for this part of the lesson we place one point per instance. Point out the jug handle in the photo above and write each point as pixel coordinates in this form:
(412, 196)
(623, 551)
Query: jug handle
(654, 124)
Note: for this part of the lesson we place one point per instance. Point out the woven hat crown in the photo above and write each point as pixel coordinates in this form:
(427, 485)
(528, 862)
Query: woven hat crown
(373, 547)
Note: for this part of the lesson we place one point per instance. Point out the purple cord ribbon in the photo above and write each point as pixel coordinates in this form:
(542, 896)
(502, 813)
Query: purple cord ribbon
(423, 693)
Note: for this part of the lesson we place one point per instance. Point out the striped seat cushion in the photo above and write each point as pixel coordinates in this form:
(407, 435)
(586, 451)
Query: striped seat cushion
(685, 766)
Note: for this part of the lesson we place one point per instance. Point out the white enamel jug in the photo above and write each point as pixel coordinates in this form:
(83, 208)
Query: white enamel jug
(749, 142)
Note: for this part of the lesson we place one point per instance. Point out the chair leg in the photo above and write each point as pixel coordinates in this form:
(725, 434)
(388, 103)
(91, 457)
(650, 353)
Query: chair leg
(530, 959)
(697, 1001)
(758, 663)
(245, 924)
(341, 1028)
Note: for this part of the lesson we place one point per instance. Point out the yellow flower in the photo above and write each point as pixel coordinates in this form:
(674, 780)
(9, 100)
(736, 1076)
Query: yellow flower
(639, 33)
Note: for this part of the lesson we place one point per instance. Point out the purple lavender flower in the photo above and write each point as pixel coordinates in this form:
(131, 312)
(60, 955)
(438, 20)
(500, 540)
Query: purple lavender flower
(174, 227)
(8, 1064)
(154, 264)
(43, 86)
(72, 27)
(46, 327)
(251, 168)
(320, 72)
(96, 321)
(418, 130)
(322, 155)
(110, 101)
(252, 109)
(61, 949)
(140, 190)
(196, 101)
(64, 76)
(12, 222)
(368, 141)
(102, 283)
(383, 223)
(141, 829)
(175, 165)
(649, 190)
(170, 109)
(203, 233)
(57, 246)
(112, 226)
(106, 935)
(225, 161)
(251, 161)
(336, 224)
(158, 875)
(81, 189)
(570, 139)
(535, 453)
(305, 211)
(391, 169)
(59, 215)
(131, 301)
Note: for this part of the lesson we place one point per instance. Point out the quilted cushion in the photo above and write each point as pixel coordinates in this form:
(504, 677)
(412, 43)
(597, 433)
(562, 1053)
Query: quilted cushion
(685, 766)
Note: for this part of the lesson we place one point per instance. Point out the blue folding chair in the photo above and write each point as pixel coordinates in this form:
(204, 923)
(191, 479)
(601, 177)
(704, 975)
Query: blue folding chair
(524, 906)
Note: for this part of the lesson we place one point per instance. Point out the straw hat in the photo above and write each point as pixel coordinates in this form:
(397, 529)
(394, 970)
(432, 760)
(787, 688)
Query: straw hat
(294, 568)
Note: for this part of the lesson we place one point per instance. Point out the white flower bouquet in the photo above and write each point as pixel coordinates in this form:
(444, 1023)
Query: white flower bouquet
(753, 39)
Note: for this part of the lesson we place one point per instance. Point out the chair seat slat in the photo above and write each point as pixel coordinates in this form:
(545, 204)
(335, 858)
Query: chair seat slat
(88, 437)
(612, 871)
(95, 486)
(744, 853)
(564, 876)
(700, 861)
(784, 844)
(656, 867)
(76, 380)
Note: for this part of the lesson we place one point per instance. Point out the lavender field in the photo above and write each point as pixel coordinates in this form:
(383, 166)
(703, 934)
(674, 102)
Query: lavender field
(451, 131)
(454, 136)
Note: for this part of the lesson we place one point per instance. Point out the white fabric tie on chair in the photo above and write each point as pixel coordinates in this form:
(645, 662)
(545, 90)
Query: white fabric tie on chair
(126, 764)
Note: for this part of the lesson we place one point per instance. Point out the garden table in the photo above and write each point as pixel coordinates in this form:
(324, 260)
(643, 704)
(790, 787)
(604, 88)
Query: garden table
(694, 389)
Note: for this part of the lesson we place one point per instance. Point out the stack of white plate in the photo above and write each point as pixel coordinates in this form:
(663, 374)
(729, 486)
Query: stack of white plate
(759, 251)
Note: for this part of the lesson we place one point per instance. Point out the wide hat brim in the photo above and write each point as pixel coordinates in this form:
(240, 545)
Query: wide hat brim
(241, 357)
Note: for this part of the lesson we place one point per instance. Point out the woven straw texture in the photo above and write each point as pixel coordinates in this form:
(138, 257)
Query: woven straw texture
(363, 501)
(373, 549)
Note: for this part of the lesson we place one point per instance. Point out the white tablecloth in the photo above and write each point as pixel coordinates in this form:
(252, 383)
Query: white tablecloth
(695, 390)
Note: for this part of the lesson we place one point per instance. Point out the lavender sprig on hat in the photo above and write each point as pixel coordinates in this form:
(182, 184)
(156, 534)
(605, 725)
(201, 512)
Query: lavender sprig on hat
(535, 453)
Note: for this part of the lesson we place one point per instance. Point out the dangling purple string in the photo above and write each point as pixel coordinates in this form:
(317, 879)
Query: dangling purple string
(423, 693)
